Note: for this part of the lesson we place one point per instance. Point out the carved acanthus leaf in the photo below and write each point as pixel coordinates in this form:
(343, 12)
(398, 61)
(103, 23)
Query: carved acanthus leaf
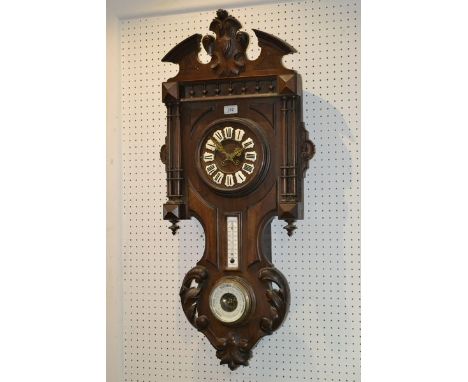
(278, 298)
(190, 295)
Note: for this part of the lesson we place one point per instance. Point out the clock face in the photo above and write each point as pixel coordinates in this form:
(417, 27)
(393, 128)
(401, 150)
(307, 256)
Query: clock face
(231, 156)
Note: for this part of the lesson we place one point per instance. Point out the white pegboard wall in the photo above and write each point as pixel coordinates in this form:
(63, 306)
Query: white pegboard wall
(320, 339)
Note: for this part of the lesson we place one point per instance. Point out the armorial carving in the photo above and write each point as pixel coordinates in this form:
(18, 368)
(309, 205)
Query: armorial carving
(227, 51)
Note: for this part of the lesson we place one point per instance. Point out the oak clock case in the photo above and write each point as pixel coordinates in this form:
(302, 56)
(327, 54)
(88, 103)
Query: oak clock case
(235, 156)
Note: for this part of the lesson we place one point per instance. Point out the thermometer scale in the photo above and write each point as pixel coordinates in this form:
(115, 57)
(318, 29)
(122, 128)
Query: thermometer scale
(232, 242)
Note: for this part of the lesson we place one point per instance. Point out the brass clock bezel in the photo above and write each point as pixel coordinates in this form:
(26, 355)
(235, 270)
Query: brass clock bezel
(263, 164)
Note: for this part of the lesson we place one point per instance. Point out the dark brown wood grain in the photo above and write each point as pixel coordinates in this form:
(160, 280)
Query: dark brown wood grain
(268, 97)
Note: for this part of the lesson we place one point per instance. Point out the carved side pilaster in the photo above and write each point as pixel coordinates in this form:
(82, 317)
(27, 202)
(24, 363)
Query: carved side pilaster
(171, 155)
(288, 207)
(284, 111)
(296, 150)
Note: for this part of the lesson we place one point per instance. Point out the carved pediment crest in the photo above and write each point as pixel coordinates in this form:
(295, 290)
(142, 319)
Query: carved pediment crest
(228, 54)
(227, 50)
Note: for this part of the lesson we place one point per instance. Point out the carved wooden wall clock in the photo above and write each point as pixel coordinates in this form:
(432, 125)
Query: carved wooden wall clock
(236, 153)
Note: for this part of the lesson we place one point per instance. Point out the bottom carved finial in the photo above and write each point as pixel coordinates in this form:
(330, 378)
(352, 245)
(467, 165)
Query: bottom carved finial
(290, 227)
(233, 351)
(174, 227)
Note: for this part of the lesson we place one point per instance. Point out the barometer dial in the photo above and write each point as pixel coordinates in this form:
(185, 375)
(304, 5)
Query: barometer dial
(230, 300)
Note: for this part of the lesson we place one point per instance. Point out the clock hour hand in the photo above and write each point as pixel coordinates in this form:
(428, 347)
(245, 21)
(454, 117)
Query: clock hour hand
(220, 148)
(228, 157)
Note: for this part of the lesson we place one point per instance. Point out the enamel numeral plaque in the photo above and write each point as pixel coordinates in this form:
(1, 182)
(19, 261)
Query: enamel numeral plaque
(236, 154)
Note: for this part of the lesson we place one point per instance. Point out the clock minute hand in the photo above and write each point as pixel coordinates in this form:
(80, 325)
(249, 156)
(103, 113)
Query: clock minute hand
(232, 155)
(236, 153)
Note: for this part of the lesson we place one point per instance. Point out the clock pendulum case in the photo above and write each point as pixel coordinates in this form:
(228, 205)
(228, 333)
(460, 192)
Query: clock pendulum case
(236, 153)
